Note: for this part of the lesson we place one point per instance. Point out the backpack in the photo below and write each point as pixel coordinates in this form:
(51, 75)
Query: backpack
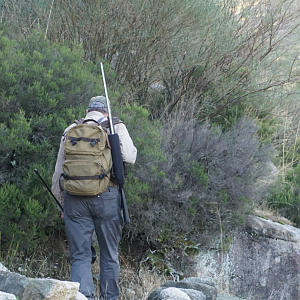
(88, 161)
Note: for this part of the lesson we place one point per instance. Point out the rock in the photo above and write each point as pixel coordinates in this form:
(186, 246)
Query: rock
(155, 295)
(80, 297)
(16, 284)
(173, 293)
(228, 297)
(209, 291)
(6, 296)
(3, 268)
(262, 260)
(38, 289)
(269, 229)
(52, 289)
(176, 292)
(129, 294)
(204, 280)
(194, 295)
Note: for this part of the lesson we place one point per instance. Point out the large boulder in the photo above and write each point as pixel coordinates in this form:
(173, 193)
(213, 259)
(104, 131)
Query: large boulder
(38, 289)
(3, 268)
(191, 288)
(208, 290)
(261, 261)
(80, 296)
(16, 284)
(6, 296)
(52, 289)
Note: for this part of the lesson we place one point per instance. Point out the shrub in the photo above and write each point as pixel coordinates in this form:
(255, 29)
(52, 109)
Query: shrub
(21, 219)
(205, 53)
(43, 88)
(285, 196)
(208, 176)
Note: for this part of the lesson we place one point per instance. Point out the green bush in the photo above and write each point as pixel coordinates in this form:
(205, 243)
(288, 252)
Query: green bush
(147, 138)
(285, 196)
(22, 219)
(202, 53)
(44, 87)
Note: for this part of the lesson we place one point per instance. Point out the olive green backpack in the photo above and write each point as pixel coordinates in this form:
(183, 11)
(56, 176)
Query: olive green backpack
(88, 161)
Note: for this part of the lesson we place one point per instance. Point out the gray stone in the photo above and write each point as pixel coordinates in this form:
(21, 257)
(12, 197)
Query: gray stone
(269, 229)
(209, 291)
(204, 280)
(155, 295)
(80, 297)
(263, 259)
(52, 289)
(2, 267)
(16, 284)
(229, 297)
(194, 295)
(38, 289)
(173, 293)
(129, 293)
(6, 296)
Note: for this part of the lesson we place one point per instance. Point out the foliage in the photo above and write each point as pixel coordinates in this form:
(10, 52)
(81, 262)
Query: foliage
(285, 194)
(285, 197)
(44, 88)
(21, 218)
(211, 56)
(147, 139)
(211, 62)
(207, 172)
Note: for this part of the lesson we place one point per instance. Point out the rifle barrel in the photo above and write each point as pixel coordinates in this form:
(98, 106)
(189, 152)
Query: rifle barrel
(116, 154)
(57, 202)
(112, 131)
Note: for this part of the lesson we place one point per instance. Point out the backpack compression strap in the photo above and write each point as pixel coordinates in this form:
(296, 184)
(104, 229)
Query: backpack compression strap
(101, 176)
(74, 140)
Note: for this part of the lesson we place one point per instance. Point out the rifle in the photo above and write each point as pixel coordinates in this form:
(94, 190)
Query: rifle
(116, 154)
(94, 255)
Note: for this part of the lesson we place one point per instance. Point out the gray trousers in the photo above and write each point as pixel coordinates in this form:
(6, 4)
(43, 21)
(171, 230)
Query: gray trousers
(83, 215)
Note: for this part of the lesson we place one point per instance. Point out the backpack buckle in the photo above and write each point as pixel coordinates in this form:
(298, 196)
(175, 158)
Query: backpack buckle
(94, 142)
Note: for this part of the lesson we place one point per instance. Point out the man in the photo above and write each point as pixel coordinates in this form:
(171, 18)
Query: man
(102, 213)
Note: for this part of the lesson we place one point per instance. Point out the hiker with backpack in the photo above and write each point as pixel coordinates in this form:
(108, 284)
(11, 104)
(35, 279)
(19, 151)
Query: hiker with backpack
(84, 184)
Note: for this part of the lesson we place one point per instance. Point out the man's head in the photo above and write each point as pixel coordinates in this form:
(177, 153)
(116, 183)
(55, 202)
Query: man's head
(98, 103)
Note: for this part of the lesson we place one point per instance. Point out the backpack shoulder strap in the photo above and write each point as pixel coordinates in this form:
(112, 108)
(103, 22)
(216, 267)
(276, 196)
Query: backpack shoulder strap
(105, 124)
(90, 120)
(83, 120)
(79, 121)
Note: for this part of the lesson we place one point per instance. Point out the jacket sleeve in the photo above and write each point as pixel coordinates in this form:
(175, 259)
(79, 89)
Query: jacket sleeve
(57, 179)
(128, 150)
(56, 185)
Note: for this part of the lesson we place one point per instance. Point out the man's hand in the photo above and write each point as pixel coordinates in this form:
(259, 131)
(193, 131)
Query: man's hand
(62, 214)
